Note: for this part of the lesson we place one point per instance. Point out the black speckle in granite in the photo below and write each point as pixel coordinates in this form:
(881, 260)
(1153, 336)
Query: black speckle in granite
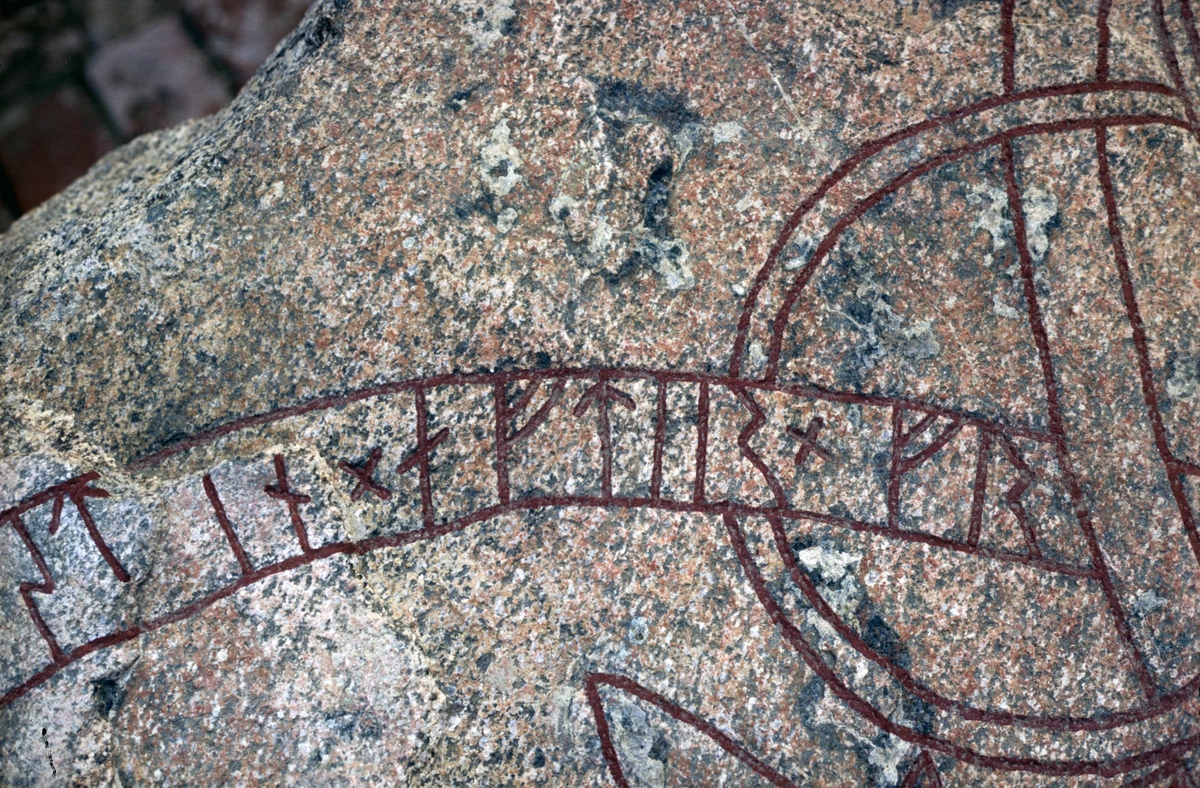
(624, 101)
(107, 696)
(660, 749)
(459, 98)
(881, 637)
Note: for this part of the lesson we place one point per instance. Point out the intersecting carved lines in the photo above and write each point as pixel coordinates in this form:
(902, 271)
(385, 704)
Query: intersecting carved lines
(601, 394)
(809, 445)
(973, 478)
(76, 490)
(920, 439)
(292, 499)
(365, 475)
(509, 434)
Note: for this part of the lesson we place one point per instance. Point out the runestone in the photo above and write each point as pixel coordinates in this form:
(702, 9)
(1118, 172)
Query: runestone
(633, 393)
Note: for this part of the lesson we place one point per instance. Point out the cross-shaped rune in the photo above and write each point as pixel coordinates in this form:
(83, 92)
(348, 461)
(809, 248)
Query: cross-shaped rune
(281, 492)
(808, 442)
(364, 474)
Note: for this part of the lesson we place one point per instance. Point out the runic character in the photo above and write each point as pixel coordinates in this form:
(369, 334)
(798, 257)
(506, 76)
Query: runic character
(422, 452)
(280, 491)
(363, 474)
(808, 442)
(235, 544)
(1012, 496)
(602, 393)
(77, 490)
(505, 421)
(26, 589)
(902, 464)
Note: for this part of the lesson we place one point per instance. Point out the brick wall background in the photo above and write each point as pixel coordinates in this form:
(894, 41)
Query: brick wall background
(80, 77)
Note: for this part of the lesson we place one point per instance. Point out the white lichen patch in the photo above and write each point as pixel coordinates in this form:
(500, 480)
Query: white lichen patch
(993, 218)
(1003, 309)
(832, 564)
(485, 21)
(668, 257)
(798, 252)
(1041, 209)
(505, 220)
(1038, 205)
(1184, 383)
(499, 161)
(730, 131)
(635, 739)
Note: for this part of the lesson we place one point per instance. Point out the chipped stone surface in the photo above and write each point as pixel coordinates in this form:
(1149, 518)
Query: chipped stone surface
(669, 394)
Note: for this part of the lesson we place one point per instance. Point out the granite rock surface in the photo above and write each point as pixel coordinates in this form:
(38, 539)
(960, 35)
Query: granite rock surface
(705, 393)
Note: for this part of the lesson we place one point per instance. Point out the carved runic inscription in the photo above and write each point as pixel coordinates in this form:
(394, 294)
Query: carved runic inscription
(915, 455)
(364, 474)
(77, 491)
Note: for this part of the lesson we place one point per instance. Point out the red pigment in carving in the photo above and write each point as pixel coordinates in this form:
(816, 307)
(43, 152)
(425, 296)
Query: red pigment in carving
(601, 394)
(280, 491)
(364, 476)
(807, 438)
(231, 536)
(1166, 761)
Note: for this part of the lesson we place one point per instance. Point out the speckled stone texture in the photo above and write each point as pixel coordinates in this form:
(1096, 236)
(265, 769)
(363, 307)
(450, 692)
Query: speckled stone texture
(514, 393)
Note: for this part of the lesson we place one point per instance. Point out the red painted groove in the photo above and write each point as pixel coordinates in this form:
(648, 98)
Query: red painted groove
(364, 475)
(45, 587)
(601, 394)
(902, 675)
(757, 419)
(872, 148)
(78, 492)
(281, 492)
(594, 681)
(901, 464)
(700, 504)
(698, 494)
(979, 491)
(1008, 36)
(1175, 770)
(49, 494)
(601, 721)
(505, 417)
(783, 315)
(809, 445)
(1105, 768)
(923, 773)
(1193, 37)
(1057, 428)
(1042, 340)
(422, 458)
(1103, 39)
(1012, 496)
(1171, 59)
(564, 373)
(1112, 720)
(235, 544)
(1141, 345)
(56, 514)
(660, 439)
